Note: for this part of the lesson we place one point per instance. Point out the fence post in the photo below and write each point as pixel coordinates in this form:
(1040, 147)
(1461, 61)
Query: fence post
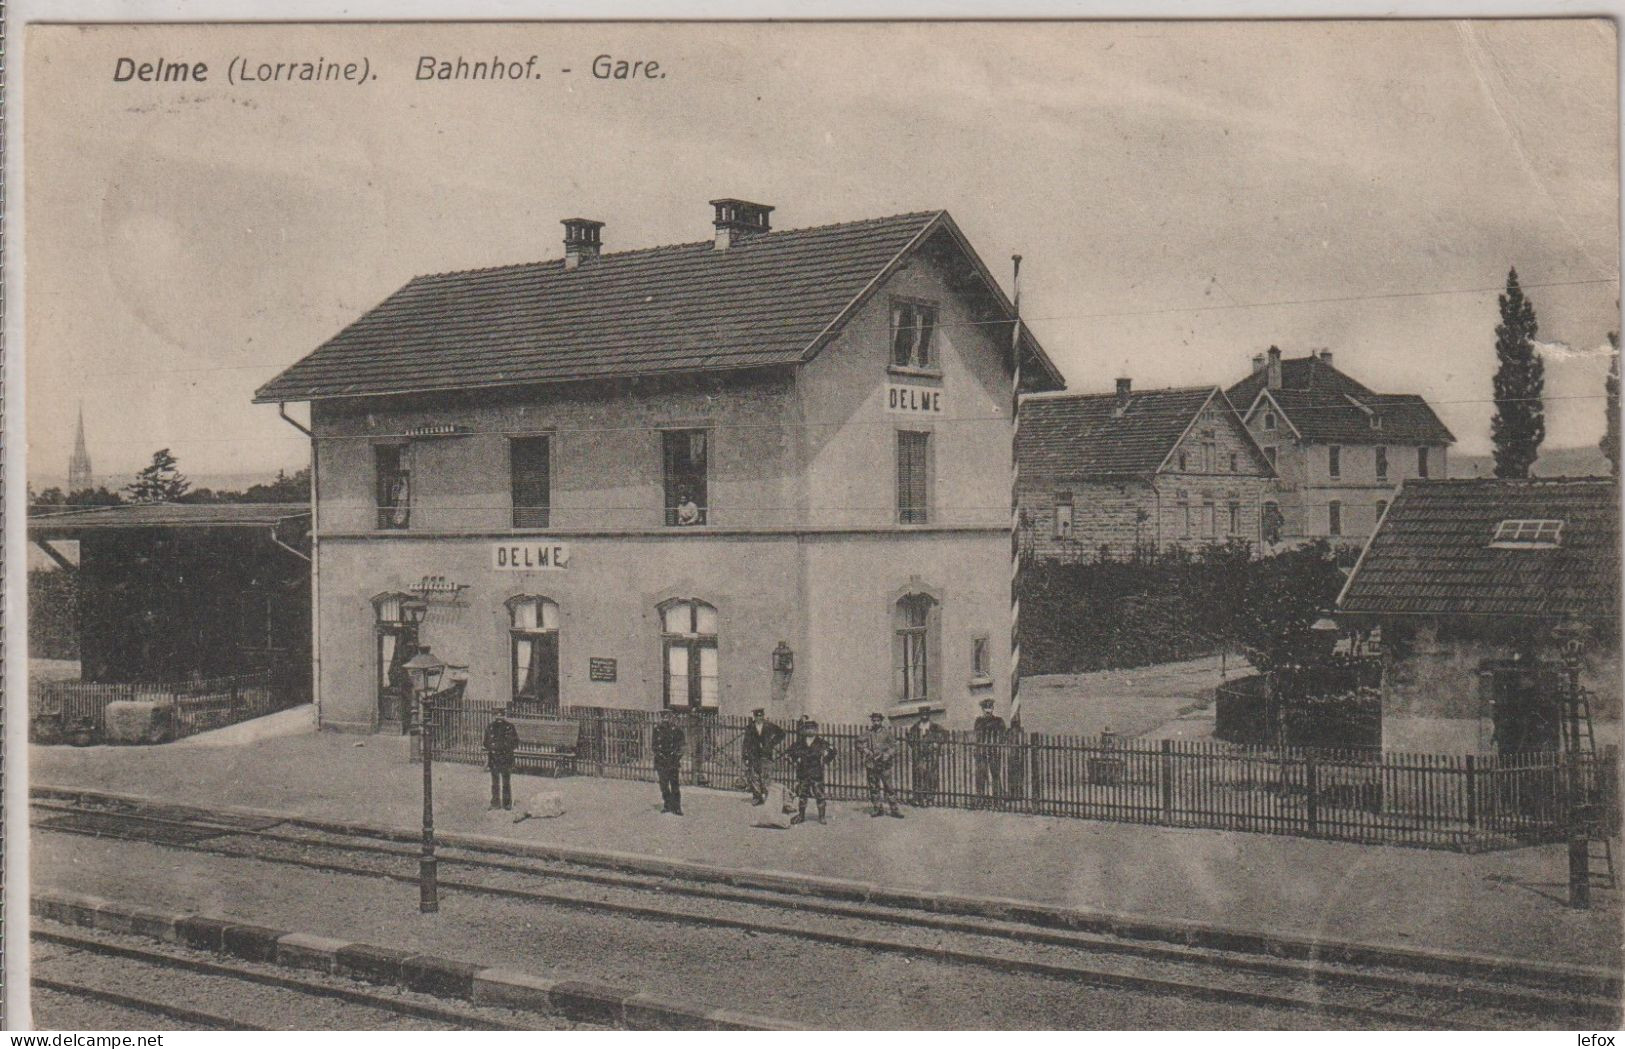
(1472, 793)
(1165, 774)
(1312, 782)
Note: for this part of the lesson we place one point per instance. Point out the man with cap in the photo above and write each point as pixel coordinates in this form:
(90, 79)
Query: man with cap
(925, 740)
(667, 744)
(761, 739)
(988, 758)
(501, 740)
(809, 753)
(878, 748)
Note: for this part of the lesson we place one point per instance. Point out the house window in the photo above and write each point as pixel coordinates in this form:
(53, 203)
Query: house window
(1269, 421)
(913, 329)
(1382, 508)
(1532, 535)
(394, 486)
(1210, 517)
(533, 632)
(1181, 462)
(1269, 453)
(1063, 515)
(1334, 517)
(1334, 461)
(1422, 462)
(530, 469)
(981, 666)
(685, 453)
(1232, 462)
(1233, 505)
(1376, 421)
(1184, 499)
(1210, 452)
(913, 474)
(397, 642)
(689, 649)
(1382, 463)
(912, 648)
(1271, 522)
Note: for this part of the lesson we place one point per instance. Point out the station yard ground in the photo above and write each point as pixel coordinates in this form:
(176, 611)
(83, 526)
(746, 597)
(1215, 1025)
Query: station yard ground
(1505, 904)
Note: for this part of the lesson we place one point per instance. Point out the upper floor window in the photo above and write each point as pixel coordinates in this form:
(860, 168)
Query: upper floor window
(689, 639)
(393, 485)
(1269, 420)
(1422, 461)
(1182, 462)
(1210, 452)
(530, 466)
(1269, 453)
(1233, 462)
(1063, 515)
(533, 633)
(685, 454)
(1382, 508)
(1334, 461)
(1334, 517)
(913, 331)
(913, 476)
(1382, 463)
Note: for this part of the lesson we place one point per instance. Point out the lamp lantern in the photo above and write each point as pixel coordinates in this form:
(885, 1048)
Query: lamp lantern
(424, 670)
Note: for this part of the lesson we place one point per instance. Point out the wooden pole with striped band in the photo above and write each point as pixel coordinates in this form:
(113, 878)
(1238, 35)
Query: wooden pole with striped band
(1015, 501)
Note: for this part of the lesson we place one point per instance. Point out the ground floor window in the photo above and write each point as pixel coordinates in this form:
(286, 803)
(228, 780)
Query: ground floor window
(1334, 518)
(1272, 522)
(912, 650)
(689, 654)
(397, 642)
(533, 632)
(1233, 506)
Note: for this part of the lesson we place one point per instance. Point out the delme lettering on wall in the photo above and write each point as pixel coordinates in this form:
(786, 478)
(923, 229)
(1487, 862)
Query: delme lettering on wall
(529, 556)
(913, 400)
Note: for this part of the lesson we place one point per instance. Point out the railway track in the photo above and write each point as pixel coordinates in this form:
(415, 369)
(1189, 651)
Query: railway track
(1382, 992)
(86, 979)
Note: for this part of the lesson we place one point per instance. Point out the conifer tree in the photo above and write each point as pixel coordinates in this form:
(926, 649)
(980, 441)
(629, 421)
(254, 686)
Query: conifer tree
(1519, 423)
(160, 481)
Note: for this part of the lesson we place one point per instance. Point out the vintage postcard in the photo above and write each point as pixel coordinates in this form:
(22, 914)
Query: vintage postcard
(917, 525)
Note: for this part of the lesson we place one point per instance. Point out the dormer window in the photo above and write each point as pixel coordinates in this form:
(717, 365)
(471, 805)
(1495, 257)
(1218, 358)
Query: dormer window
(913, 332)
(1528, 535)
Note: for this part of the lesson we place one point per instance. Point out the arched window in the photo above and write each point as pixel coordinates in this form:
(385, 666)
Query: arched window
(914, 650)
(533, 632)
(688, 631)
(397, 642)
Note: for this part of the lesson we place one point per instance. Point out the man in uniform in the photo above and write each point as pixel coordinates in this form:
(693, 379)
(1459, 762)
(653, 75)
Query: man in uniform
(988, 756)
(925, 741)
(501, 740)
(761, 739)
(810, 753)
(668, 753)
(878, 748)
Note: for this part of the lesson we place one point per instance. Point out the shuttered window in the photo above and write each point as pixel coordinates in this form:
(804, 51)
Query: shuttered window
(531, 466)
(913, 471)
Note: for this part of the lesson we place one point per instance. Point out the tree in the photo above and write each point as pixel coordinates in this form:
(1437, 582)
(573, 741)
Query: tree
(1519, 423)
(1284, 596)
(1610, 436)
(159, 481)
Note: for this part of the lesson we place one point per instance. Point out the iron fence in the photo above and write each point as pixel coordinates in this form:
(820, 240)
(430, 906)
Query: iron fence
(1439, 801)
(76, 711)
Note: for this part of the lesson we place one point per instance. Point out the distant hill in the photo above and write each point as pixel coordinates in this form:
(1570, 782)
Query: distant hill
(1553, 462)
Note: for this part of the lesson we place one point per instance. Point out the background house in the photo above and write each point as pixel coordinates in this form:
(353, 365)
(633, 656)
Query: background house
(1340, 449)
(1474, 583)
(768, 468)
(1138, 471)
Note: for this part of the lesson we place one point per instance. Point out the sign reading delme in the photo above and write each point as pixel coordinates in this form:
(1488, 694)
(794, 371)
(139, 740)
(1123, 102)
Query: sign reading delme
(913, 400)
(530, 556)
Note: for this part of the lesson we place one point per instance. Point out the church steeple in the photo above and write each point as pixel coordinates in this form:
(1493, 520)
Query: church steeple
(79, 475)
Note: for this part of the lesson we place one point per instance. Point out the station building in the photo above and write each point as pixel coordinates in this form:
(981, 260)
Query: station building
(767, 469)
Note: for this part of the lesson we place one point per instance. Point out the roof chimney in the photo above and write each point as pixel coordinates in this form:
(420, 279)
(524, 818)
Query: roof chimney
(1274, 367)
(1122, 395)
(1326, 358)
(1258, 363)
(580, 241)
(737, 219)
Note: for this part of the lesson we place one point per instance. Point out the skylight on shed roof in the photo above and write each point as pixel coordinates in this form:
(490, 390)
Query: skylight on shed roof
(1528, 535)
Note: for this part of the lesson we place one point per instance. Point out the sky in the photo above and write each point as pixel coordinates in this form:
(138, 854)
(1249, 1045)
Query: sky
(1184, 195)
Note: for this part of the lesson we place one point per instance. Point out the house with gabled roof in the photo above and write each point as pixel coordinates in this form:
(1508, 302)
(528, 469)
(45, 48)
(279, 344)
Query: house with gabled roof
(770, 468)
(1482, 592)
(1127, 473)
(1339, 448)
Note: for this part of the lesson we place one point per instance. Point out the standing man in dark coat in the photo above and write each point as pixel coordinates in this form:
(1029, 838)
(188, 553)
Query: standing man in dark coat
(878, 748)
(810, 753)
(501, 740)
(988, 756)
(668, 752)
(925, 741)
(761, 739)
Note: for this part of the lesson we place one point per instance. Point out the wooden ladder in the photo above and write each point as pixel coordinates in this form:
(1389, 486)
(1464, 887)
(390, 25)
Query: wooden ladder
(1581, 737)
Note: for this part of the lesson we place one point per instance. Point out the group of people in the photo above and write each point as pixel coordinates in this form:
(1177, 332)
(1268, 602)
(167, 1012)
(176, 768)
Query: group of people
(810, 755)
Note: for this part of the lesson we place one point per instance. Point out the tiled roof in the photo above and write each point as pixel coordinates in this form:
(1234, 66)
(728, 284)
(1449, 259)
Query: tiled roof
(1324, 405)
(1432, 556)
(769, 299)
(67, 522)
(1081, 435)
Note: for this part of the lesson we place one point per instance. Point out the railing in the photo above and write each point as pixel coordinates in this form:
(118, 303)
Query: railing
(76, 711)
(1438, 801)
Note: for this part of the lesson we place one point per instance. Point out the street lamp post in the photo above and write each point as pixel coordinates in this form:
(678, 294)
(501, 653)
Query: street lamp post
(425, 670)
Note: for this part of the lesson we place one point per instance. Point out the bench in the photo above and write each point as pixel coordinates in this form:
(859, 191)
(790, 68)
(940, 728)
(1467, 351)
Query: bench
(547, 744)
